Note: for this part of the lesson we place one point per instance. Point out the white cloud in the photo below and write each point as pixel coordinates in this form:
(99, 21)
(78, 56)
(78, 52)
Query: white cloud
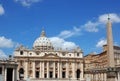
(91, 27)
(101, 42)
(28, 3)
(115, 18)
(2, 11)
(101, 20)
(61, 43)
(2, 55)
(69, 33)
(6, 43)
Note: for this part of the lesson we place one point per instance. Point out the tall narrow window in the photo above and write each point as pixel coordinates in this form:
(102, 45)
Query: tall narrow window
(37, 74)
(77, 54)
(78, 74)
(56, 76)
(51, 74)
(63, 74)
(0, 70)
(21, 52)
(45, 75)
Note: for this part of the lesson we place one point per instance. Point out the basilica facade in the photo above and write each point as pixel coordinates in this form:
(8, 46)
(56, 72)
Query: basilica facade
(44, 62)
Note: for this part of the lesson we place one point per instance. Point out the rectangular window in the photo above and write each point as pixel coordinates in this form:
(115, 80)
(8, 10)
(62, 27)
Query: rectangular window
(37, 74)
(21, 52)
(63, 74)
(51, 74)
(45, 75)
(56, 76)
(77, 54)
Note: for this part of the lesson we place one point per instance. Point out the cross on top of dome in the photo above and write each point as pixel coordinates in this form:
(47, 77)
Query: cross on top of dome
(43, 33)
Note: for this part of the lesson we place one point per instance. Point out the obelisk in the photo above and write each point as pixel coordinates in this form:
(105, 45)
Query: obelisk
(111, 75)
(110, 51)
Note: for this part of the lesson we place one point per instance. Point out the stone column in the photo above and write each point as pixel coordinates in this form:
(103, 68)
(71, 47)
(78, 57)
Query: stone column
(73, 70)
(47, 69)
(105, 76)
(92, 76)
(99, 77)
(40, 75)
(42, 72)
(34, 69)
(95, 76)
(26, 70)
(54, 70)
(13, 75)
(67, 70)
(102, 76)
(18, 73)
(5, 74)
(58, 69)
(81, 69)
(118, 76)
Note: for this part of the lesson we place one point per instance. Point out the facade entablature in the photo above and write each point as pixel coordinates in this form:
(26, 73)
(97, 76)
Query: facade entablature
(23, 53)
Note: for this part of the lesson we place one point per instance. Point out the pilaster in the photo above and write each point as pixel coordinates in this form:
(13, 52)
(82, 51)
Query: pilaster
(47, 69)
(5, 74)
(40, 75)
(43, 71)
(33, 69)
(81, 69)
(73, 70)
(13, 75)
(53, 69)
(26, 70)
(67, 70)
(58, 69)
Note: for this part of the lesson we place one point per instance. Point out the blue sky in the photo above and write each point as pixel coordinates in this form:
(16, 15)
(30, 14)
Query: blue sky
(71, 22)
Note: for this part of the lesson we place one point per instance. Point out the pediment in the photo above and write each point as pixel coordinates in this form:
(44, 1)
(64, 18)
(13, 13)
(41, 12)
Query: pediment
(51, 56)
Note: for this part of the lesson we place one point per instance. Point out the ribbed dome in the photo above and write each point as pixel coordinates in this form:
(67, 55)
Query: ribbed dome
(42, 41)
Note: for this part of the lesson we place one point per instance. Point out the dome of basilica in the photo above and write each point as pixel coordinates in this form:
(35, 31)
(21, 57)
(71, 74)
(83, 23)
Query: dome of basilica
(42, 41)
